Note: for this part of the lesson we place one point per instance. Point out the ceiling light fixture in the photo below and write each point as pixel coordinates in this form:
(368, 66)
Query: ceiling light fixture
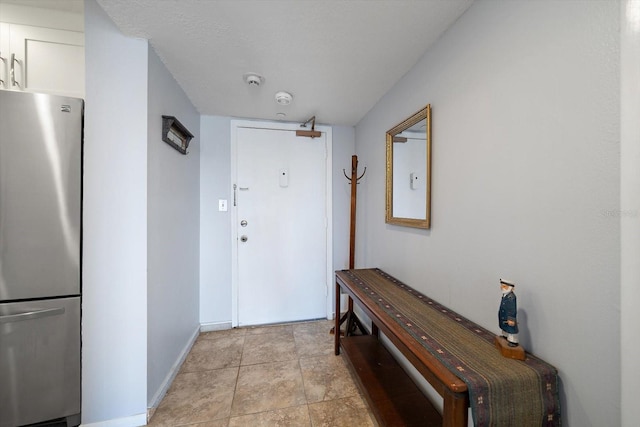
(253, 79)
(284, 98)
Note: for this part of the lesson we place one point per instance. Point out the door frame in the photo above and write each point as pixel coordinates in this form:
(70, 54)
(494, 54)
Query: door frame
(327, 131)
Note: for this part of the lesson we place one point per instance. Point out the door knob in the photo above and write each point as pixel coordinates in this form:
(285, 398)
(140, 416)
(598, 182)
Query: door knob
(243, 223)
(244, 238)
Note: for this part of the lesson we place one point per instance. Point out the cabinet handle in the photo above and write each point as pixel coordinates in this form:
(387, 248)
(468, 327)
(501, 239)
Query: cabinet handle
(13, 70)
(29, 315)
(3, 60)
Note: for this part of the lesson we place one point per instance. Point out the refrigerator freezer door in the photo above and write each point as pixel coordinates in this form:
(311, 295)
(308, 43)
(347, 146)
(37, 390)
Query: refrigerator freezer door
(39, 361)
(40, 195)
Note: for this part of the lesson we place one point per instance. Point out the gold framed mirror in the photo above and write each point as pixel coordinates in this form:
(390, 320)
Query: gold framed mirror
(408, 198)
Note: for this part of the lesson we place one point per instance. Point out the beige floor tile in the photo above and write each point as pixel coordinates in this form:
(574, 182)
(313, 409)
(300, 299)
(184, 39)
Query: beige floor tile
(297, 416)
(268, 386)
(224, 422)
(315, 326)
(265, 348)
(282, 367)
(313, 339)
(326, 378)
(207, 354)
(239, 332)
(197, 397)
(347, 412)
(269, 329)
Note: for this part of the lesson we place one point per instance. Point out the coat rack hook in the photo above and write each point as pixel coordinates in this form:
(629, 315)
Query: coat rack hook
(363, 172)
(344, 172)
(354, 171)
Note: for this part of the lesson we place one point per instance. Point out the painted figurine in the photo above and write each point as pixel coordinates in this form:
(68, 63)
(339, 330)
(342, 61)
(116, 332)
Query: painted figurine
(508, 312)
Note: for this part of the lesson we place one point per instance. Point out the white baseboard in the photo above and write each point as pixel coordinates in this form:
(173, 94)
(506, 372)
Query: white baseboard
(132, 421)
(162, 390)
(217, 326)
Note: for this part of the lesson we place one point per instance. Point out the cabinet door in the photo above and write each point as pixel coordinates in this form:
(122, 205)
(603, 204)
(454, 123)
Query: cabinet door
(48, 60)
(5, 55)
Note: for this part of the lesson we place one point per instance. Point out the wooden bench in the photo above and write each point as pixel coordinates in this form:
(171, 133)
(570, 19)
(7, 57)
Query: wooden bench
(392, 395)
(454, 354)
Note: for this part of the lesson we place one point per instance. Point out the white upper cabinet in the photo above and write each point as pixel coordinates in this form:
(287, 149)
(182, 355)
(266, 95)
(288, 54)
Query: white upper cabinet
(37, 59)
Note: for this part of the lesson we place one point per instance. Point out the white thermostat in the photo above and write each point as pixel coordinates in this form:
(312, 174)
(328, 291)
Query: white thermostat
(284, 178)
(415, 181)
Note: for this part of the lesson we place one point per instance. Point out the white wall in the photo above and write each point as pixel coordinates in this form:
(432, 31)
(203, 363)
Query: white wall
(215, 240)
(114, 311)
(173, 225)
(630, 210)
(526, 171)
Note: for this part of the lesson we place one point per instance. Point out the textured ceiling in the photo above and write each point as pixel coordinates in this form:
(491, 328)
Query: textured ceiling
(337, 58)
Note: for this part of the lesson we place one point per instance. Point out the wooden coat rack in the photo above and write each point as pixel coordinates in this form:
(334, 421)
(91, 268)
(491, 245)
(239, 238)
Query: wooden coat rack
(352, 321)
(354, 192)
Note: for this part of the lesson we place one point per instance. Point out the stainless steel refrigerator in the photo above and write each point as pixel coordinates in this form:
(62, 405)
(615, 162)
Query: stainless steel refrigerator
(40, 238)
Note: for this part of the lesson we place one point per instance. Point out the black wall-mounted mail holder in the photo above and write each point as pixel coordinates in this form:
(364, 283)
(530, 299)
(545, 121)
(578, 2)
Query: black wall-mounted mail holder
(175, 134)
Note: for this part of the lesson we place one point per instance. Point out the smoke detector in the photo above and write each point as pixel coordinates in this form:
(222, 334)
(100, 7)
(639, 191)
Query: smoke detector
(253, 79)
(284, 98)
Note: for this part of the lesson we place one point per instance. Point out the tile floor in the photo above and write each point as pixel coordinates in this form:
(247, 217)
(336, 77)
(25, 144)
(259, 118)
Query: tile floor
(284, 375)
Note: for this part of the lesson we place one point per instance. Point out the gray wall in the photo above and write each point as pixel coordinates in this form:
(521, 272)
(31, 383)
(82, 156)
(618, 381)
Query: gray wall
(215, 240)
(114, 308)
(630, 209)
(173, 238)
(526, 184)
(215, 226)
(141, 228)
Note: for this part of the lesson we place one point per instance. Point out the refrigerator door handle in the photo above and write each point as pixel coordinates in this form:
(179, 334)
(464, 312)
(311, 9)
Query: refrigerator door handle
(29, 315)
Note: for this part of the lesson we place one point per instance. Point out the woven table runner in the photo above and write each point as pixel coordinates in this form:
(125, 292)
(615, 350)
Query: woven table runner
(502, 391)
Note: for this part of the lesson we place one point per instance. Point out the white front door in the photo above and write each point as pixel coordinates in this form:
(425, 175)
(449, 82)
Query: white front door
(281, 224)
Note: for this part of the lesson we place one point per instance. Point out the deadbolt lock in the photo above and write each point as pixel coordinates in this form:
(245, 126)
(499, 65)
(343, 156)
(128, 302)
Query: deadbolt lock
(244, 238)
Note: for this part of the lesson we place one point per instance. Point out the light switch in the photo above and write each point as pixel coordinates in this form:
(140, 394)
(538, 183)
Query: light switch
(222, 205)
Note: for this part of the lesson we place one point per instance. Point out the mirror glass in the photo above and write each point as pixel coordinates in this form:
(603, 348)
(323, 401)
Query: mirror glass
(408, 200)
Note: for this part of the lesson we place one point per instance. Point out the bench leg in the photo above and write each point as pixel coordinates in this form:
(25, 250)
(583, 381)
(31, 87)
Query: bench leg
(336, 330)
(352, 321)
(454, 413)
(374, 330)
